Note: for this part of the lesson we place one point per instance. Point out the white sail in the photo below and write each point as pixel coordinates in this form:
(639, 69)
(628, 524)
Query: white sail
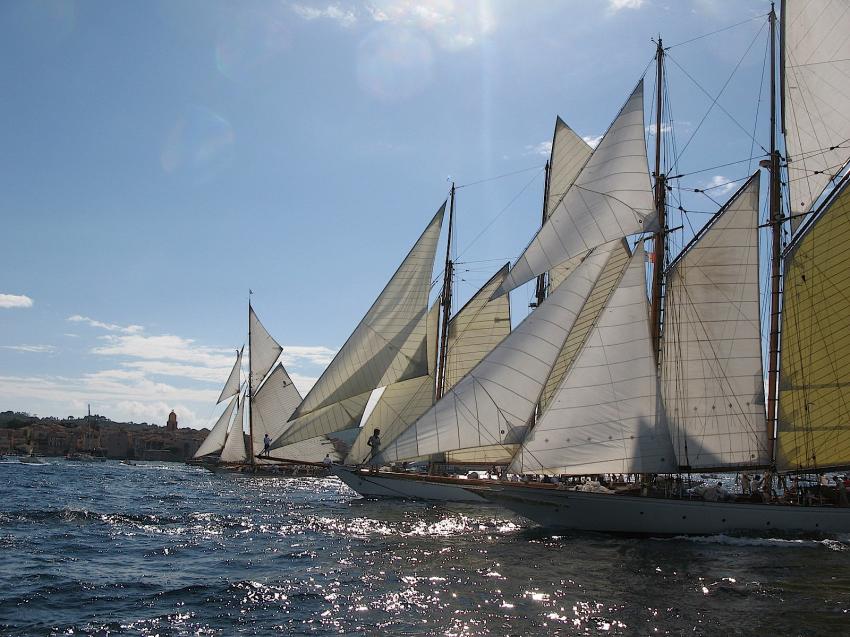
(712, 376)
(610, 199)
(231, 387)
(603, 289)
(569, 155)
(214, 442)
(816, 99)
(389, 344)
(336, 417)
(264, 349)
(606, 416)
(476, 329)
(495, 402)
(235, 449)
(315, 449)
(272, 406)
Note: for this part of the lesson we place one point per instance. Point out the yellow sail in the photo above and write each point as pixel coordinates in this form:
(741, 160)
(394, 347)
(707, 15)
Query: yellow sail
(814, 389)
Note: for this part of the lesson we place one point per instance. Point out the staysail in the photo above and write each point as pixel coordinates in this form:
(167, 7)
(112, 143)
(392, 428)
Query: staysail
(231, 387)
(264, 349)
(494, 403)
(272, 406)
(816, 56)
(214, 442)
(344, 414)
(235, 449)
(606, 416)
(569, 155)
(712, 376)
(611, 198)
(814, 386)
(389, 343)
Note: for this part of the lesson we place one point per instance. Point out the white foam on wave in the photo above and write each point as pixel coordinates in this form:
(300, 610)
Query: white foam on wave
(839, 543)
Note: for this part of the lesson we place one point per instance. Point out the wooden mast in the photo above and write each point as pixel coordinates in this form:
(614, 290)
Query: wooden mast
(660, 209)
(541, 280)
(446, 300)
(250, 389)
(775, 221)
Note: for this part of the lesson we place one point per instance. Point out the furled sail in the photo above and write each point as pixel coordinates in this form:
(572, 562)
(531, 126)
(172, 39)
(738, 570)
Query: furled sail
(586, 319)
(606, 416)
(264, 349)
(569, 155)
(494, 403)
(231, 387)
(235, 449)
(214, 442)
(389, 343)
(816, 56)
(476, 329)
(335, 417)
(401, 403)
(814, 384)
(272, 406)
(712, 377)
(611, 198)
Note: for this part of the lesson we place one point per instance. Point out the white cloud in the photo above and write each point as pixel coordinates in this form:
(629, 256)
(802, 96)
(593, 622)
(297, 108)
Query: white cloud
(592, 140)
(544, 149)
(36, 349)
(296, 355)
(109, 327)
(615, 6)
(720, 185)
(665, 128)
(165, 347)
(334, 12)
(15, 300)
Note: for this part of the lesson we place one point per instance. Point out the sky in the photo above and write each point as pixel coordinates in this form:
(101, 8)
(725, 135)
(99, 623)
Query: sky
(159, 159)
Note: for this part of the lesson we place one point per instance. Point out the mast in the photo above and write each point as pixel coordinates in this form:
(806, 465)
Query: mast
(541, 280)
(446, 300)
(660, 209)
(775, 221)
(250, 388)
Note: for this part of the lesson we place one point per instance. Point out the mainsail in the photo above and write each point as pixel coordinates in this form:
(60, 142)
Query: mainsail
(214, 442)
(234, 447)
(272, 406)
(606, 416)
(389, 343)
(264, 350)
(814, 388)
(494, 403)
(816, 56)
(712, 368)
(569, 155)
(231, 387)
(611, 198)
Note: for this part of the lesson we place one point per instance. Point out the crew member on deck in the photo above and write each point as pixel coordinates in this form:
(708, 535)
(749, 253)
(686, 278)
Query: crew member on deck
(267, 443)
(374, 443)
(327, 461)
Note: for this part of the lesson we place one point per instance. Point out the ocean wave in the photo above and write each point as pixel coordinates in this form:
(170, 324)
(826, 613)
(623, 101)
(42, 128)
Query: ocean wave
(832, 544)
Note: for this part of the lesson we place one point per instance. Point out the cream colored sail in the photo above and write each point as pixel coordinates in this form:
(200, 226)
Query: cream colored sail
(401, 403)
(606, 416)
(214, 442)
(586, 319)
(476, 329)
(569, 155)
(389, 343)
(264, 349)
(816, 50)
(336, 417)
(235, 449)
(272, 406)
(814, 385)
(712, 376)
(315, 449)
(231, 387)
(494, 403)
(611, 198)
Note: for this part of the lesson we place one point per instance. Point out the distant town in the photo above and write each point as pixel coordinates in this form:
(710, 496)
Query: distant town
(23, 434)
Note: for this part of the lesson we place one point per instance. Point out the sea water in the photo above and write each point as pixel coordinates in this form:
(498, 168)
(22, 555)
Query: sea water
(168, 549)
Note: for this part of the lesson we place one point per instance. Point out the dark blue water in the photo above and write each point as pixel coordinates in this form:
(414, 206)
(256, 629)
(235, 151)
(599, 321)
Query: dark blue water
(166, 549)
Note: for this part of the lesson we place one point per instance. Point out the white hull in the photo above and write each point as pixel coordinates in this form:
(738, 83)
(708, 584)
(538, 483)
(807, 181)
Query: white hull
(654, 516)
(399, 485)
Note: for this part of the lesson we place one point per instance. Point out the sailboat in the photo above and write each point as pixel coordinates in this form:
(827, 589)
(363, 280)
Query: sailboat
(266, 399)
(677, 386)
